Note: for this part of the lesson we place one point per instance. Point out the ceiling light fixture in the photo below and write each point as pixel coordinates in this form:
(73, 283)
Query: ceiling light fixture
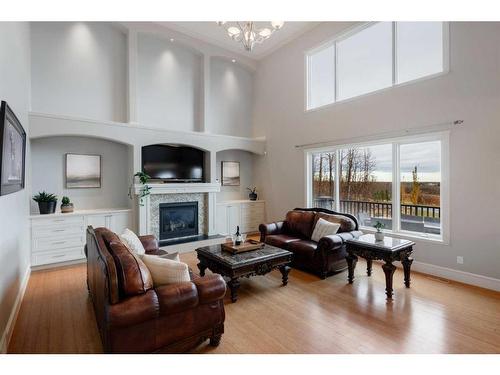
(248, 34)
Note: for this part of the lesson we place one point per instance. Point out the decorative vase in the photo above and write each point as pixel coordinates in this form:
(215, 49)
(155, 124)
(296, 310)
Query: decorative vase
(67, 208)
(379, 236)
(47, 207)
(252, 196)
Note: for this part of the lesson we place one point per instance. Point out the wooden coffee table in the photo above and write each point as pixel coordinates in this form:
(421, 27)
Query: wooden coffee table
(251, 263)
(389, 250)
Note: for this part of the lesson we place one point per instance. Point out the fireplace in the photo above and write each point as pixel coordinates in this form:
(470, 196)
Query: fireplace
(179, 219)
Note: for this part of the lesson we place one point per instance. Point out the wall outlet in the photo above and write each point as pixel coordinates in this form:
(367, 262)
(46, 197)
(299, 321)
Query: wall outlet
(460, 260)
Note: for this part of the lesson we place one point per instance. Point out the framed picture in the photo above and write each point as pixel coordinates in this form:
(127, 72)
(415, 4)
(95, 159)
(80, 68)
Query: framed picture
(230, 173)
(13, 151)
(83, 171)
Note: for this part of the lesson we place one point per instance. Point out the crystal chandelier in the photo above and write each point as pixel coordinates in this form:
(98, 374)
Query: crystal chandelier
(247, 33)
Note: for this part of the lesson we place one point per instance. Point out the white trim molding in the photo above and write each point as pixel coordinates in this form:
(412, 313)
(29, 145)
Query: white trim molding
(457, 275)
(9, 327)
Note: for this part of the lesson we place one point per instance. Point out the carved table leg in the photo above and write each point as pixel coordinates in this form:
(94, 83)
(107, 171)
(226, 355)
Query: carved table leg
(369, 267)
(234, 284)
(202, 267)
(389, 269)
(407, 261)
(351, 264)
(284, 273)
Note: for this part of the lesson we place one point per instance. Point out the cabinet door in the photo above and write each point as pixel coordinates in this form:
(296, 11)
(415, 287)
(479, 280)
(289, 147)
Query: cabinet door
(234, 217)
(222, 219)
(97, 221)
(119, 222)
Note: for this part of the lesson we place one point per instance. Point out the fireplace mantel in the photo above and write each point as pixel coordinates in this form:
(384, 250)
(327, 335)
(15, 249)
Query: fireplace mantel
(177, 188)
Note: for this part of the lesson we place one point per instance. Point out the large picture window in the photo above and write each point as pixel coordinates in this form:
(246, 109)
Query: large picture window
(397, 183)
(373, 57)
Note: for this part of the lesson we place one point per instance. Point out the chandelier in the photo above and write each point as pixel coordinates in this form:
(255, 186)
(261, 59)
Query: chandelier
(248, 34)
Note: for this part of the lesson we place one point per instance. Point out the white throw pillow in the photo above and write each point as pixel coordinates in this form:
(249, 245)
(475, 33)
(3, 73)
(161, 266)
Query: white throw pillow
(166, 271)
(133, 242)
(324, 228)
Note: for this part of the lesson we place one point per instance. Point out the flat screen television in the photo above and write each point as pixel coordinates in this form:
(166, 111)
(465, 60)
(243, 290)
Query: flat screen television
(173, 163)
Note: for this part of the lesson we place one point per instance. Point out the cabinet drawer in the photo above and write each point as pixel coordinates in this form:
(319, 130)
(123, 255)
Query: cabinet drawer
(53, 243)
(38, 259)
(57, 230)
(58, 220)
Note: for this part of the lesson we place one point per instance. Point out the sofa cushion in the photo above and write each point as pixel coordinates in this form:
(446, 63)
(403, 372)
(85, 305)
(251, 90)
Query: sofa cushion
(166, 271)
(300, 223)
(133, 276)
(303, 249)
(280, 240)
(133, 242)
(324, 228)
(346, 223)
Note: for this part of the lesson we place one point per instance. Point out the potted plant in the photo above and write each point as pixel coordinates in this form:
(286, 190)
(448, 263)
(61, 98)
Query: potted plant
(145, 190)
(66, 205)
(47, 203)
(379, 235)
(253, 193)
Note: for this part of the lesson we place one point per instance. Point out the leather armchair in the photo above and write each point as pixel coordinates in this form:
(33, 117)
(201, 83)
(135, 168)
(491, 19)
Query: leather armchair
(323, 258)
(138, 318)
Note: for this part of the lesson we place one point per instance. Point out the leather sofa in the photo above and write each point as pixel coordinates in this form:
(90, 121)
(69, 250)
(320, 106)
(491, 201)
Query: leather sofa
(135, 317)
(322, 258)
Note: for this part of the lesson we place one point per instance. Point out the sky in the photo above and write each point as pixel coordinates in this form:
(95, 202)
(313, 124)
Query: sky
(426, 156)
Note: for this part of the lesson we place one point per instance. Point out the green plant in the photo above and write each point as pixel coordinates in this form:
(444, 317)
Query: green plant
(45, 197)
(145, 189)
(65, 201)
(252, 190)
(379, 226)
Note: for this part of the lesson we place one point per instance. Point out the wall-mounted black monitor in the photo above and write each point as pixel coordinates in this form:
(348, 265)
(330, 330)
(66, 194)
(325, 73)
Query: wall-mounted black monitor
(172, 163)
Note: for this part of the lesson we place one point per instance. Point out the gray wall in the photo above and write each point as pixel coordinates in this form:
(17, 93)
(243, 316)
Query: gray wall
(470, 91)
(14, 208)
(48, 170)
(79, 69)
(246, 160)
(168, 84)
(231, 98)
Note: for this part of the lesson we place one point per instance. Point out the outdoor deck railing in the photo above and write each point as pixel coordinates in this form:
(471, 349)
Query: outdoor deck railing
(379, 209)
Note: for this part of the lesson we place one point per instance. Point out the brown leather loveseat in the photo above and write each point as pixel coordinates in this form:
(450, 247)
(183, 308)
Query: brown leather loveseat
(322, 258)
(133, 316)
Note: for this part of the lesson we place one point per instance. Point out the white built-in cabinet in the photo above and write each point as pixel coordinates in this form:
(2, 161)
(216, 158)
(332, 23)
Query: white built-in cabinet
(60, 237)
(243, 213)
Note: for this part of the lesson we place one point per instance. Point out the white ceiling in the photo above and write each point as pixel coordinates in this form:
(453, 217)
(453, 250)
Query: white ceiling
(210, 32)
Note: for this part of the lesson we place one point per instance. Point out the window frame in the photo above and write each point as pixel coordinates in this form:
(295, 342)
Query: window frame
(354, 30)
(396, 231)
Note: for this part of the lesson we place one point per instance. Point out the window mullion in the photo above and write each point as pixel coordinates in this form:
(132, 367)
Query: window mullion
(396, 189)
(335, 74)
(337, 180)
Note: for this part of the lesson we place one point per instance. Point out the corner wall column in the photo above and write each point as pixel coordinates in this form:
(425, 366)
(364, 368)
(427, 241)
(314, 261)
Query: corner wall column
(132, 77)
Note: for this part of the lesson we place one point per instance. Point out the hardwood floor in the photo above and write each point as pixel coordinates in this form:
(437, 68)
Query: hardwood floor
(309, 315)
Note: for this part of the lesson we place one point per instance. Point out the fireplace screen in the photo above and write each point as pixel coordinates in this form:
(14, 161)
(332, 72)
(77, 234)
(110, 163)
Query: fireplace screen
(178, 220)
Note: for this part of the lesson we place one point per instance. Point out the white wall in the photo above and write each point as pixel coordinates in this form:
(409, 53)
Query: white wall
(48, 171)
(231, 98)
(168, 84)
(79, 69)
(246, 160)
(14, 234)
(471, 91)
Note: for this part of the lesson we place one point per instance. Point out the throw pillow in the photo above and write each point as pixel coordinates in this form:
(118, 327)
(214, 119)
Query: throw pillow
(172, 256)
(133, 242)
(324, 228)
(166, 271)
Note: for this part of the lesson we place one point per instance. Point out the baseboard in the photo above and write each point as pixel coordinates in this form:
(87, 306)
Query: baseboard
(9, 328)
(457, 275)
(58, 265)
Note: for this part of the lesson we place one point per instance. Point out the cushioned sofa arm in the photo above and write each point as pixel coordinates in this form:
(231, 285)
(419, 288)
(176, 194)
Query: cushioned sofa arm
(150, 243)
(210, 288)
(330, 242)
(174, 298)
(270, 229)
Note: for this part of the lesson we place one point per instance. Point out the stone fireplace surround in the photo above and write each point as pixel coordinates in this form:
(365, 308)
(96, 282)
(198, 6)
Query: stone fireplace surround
(203, 193)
